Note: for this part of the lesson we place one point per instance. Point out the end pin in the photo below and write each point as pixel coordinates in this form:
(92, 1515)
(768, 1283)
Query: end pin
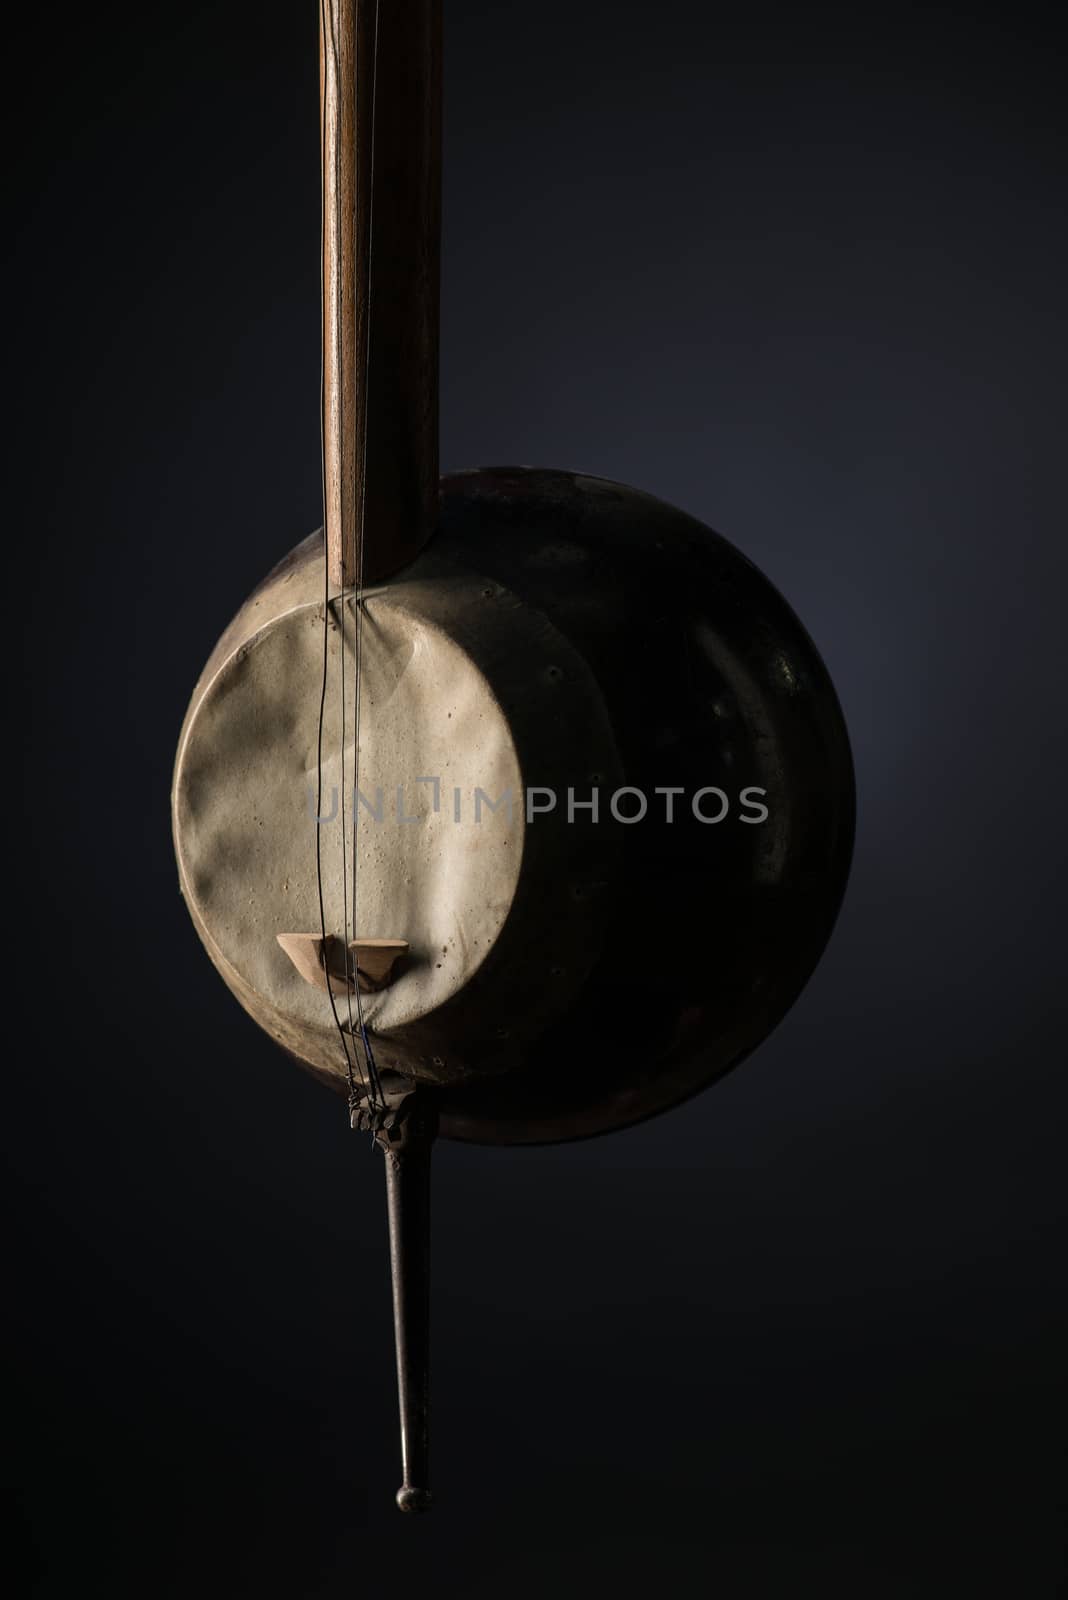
(410, 1499)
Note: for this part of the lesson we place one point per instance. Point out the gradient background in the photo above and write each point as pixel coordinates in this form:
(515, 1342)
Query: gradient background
(800, 271)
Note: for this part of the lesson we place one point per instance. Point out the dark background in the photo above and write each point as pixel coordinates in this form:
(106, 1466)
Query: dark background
(800, 271)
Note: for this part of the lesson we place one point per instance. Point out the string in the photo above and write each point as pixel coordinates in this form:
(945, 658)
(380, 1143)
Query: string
(372, 1069)
(352, 980)
(341, 530)
(327, 66)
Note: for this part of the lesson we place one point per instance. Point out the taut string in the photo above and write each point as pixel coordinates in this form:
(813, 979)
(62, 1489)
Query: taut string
(331, 65)
(372, 1070)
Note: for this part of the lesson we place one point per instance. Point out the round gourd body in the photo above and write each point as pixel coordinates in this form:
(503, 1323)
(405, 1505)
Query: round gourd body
(604, 791)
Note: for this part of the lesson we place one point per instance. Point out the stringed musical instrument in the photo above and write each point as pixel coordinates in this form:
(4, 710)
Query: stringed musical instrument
(516, 806)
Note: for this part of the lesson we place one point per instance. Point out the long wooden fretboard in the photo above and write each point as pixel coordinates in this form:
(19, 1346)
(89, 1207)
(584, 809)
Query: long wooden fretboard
(381, 121)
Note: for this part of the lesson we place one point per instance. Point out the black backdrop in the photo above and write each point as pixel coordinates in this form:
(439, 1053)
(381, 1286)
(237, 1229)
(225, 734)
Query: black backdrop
(800, 271)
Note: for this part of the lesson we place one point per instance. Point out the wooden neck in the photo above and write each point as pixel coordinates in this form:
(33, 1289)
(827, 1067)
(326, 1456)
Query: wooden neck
(381, 148)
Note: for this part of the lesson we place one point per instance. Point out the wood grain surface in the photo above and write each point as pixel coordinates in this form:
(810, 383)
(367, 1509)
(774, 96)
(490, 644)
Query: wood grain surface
(381, 121)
